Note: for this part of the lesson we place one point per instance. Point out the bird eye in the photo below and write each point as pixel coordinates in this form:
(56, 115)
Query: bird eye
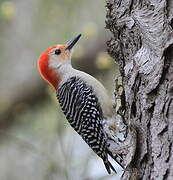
(57, 51)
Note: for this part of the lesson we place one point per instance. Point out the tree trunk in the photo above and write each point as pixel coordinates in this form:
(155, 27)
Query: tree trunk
(142, 45)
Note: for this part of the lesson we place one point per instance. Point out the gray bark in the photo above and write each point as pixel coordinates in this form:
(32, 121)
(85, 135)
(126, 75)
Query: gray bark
(142, 45)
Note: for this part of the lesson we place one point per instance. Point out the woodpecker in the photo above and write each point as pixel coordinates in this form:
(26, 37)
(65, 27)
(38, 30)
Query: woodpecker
(83, 99)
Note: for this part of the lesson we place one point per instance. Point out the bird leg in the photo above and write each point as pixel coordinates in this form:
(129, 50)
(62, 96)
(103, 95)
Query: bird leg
(121, 140)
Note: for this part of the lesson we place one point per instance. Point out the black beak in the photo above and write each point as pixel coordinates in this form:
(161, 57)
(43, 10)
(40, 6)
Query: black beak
(72, 42)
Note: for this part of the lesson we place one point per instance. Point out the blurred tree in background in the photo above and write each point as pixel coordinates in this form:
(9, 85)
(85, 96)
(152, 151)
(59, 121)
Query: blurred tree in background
(36, 140)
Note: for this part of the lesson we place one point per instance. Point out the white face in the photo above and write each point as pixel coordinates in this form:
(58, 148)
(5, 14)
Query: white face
(59, 56)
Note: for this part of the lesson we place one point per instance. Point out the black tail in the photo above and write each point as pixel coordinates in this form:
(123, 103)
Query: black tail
(109, 166)
(117, 158)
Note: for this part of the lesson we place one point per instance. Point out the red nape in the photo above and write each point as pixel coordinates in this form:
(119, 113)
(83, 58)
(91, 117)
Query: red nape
(47, 73)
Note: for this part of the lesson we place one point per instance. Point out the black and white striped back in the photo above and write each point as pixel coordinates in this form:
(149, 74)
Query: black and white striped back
(82, 110)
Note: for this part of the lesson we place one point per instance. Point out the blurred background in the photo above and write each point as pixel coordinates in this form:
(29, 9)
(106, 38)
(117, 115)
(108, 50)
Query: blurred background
(36, 141)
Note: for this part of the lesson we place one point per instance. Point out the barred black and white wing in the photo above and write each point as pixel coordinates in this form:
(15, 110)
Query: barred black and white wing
(83, 112)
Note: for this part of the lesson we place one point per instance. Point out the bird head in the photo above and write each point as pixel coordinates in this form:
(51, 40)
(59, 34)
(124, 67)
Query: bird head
(53, 58)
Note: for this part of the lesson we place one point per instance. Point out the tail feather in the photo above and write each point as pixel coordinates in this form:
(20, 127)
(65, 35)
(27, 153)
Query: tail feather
(109, 166)
(117, 158)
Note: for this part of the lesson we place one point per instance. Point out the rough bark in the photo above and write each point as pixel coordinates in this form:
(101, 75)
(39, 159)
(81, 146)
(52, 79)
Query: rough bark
(142, 45)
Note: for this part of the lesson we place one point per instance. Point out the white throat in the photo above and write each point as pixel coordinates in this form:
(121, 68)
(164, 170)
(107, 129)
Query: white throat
(65, 71)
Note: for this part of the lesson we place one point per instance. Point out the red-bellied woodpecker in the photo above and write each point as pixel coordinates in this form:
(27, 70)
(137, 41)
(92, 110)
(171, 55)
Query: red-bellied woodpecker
(82, 98)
